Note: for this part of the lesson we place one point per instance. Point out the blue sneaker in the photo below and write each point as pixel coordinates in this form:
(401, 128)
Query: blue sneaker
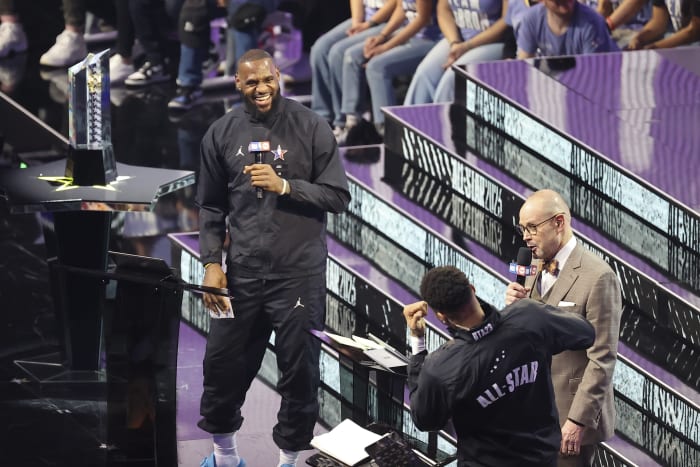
(186, 97)
(209, 461)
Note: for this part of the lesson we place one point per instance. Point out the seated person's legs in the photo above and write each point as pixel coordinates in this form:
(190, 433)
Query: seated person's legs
(445, 90)
(428, 75)
(321, 71)
(150, 26)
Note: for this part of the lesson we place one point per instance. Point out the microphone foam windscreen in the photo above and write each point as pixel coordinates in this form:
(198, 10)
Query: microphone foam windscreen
(524, 256)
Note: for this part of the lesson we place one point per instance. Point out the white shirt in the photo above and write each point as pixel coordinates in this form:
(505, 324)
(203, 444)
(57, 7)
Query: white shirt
(547, 280)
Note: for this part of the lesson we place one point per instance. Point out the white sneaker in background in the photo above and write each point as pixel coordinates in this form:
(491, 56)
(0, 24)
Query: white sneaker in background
(68, 50)
(12, 39)
(118, 69)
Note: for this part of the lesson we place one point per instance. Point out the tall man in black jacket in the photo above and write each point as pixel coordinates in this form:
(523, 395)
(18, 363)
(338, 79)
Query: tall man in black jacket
(275, 212)
(493, 379)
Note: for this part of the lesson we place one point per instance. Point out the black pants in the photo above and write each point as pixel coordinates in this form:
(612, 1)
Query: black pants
(235, 349)
(153, 19)
(74, 11)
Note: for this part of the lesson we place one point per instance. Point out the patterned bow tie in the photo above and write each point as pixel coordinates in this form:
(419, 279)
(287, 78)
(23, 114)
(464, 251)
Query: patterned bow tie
(551, 266)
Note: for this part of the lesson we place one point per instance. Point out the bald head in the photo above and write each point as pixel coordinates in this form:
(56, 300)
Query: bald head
(548, 220)
(547, 202)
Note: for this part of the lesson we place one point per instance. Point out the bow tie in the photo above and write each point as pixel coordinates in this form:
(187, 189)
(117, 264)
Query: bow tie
(551, 266)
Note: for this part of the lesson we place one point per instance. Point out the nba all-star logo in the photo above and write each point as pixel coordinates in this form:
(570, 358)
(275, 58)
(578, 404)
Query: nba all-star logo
(279, 152)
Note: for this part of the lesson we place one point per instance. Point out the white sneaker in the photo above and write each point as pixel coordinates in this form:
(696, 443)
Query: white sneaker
(12, 39)
(68, 50)
(118, 69)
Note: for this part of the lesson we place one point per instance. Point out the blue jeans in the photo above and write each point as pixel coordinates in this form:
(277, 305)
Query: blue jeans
(327, 69)
(432, 83)
(239, 42)
(380, 72)
(189, 71)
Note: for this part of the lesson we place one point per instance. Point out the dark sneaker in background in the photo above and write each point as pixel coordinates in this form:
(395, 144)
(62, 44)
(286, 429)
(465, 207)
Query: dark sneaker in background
(149, 73)
(186, 97)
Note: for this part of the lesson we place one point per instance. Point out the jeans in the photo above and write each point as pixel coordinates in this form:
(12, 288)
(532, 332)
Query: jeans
(432, 83)
(189, 71)
(74, 11)
(380, 72)
(239, 42)
(152, 21)
(327, 70)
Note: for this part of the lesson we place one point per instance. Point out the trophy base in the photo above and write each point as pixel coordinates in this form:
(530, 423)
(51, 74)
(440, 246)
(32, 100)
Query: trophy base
(89, 167)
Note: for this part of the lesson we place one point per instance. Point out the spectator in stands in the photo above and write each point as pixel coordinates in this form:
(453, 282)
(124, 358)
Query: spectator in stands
(276, 259)
(563, 27)
(245, 19)
(472, 32)
(493, 379)
(681, 16)
(70, 46)
(12, 36)
(326, 59)
(579, 281)
(513, 17)
(153, 20)
(625, 18)
(397, 50)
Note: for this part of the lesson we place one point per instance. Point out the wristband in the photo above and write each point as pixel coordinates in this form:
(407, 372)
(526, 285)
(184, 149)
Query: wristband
(610, 24)
(284, 187)
(417, 344)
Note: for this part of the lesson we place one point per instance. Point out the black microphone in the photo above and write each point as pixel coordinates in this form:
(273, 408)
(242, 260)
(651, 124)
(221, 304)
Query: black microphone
(524, 259)
(259, 148)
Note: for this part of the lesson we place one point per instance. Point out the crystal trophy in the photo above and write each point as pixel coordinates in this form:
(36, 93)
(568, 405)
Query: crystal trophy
(90, 154)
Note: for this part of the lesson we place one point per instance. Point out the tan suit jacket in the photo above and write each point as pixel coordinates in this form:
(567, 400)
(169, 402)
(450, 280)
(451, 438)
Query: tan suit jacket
(583, 380)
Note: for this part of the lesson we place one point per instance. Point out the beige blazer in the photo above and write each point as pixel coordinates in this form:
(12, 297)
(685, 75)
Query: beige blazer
(583, 379)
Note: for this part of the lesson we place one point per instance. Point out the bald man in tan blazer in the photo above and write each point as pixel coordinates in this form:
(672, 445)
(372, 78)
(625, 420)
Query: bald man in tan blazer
(582, 283)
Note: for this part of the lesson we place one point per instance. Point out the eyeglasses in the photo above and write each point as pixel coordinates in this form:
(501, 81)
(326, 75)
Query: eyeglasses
(532, 228)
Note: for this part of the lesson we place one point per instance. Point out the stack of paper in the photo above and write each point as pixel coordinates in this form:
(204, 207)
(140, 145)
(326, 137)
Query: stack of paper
(346, 442)
(383, 355)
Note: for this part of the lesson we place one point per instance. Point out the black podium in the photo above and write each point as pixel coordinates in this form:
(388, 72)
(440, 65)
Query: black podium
(141, 301)
(82, 217)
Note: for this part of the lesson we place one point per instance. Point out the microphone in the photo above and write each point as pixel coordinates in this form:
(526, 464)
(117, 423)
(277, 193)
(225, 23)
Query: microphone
(259, 148)
(522, 266)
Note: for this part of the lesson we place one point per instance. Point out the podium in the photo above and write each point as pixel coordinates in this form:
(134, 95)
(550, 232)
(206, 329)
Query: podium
(78, 195)
(141, 301)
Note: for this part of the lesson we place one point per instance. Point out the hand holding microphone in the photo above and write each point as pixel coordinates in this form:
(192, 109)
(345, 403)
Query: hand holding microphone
(258, 148)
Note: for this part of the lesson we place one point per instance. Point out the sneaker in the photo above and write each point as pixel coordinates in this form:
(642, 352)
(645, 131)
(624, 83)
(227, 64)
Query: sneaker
(68, 50)
(187, 96)
(362, 134)
(12, 39)
(149, 73)
(209, 461)
(118, 69)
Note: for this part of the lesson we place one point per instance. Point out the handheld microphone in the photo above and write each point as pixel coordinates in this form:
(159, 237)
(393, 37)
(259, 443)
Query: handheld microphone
(259, 147)
(523, 264)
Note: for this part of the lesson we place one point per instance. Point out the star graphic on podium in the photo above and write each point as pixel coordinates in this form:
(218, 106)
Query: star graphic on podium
(279, 152)
(63, 183)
